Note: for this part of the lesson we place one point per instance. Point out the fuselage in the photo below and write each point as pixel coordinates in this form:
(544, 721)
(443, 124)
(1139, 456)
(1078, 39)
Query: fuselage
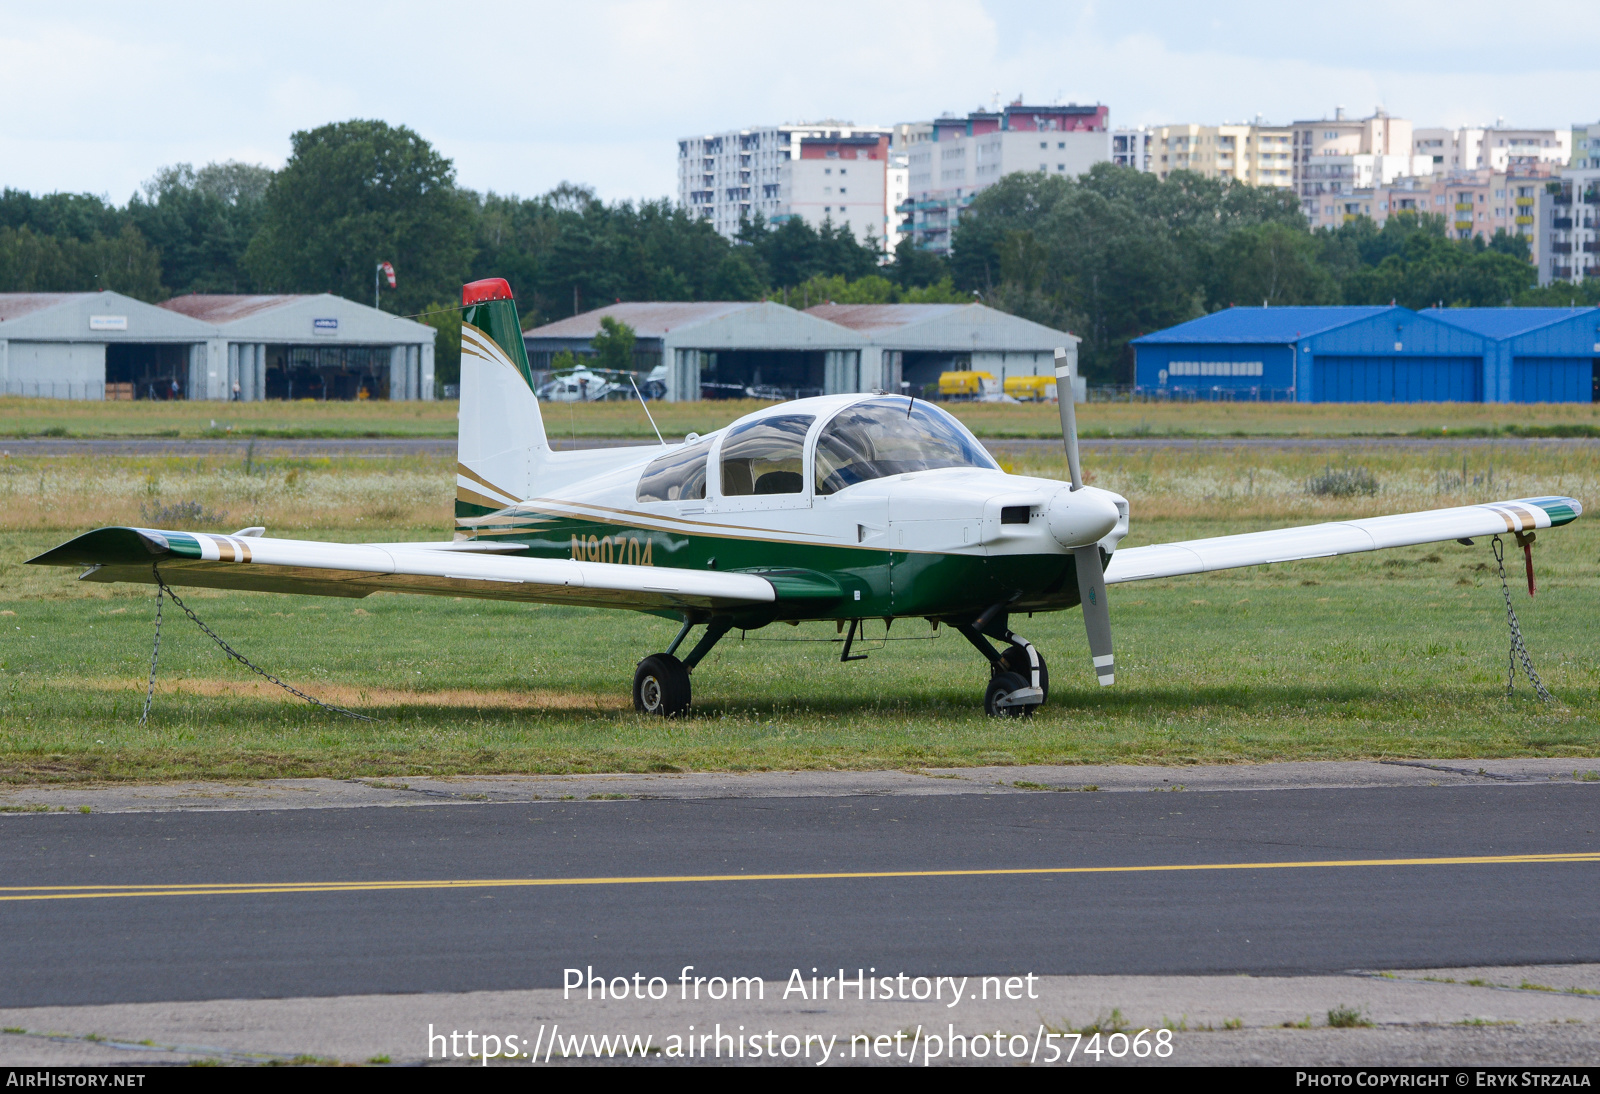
(842, 536)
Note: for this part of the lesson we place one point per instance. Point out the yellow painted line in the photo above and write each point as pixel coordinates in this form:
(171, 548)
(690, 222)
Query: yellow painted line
(85, 892)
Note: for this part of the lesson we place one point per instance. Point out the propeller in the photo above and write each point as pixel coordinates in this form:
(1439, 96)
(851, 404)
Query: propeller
(1091, 571)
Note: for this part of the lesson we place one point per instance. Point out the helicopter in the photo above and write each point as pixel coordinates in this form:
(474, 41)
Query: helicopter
(581, 385)
(839, 508)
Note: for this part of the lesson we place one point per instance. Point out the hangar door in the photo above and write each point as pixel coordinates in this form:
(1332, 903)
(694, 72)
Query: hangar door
(1552, 380)
(1342, 379)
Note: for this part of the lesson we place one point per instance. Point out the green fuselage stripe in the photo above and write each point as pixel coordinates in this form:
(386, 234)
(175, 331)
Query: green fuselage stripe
(889, 583)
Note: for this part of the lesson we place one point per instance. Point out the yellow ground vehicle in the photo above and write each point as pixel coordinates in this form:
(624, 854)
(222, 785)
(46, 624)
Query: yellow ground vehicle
(966, 385)
(1031, 389)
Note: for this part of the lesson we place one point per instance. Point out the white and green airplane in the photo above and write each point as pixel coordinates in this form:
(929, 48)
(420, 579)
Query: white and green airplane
(842, 508)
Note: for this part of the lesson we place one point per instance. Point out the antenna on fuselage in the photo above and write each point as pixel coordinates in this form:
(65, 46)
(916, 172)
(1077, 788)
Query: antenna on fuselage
(647, 413)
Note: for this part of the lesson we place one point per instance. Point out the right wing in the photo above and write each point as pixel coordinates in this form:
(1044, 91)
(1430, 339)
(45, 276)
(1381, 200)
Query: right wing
(1198, 556)
(360, 569)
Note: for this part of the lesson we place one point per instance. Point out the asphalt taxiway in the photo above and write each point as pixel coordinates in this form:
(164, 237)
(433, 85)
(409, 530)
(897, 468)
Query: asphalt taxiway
(330, 917)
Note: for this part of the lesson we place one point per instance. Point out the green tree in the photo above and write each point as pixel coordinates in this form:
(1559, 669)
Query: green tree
(34, 262)
(67, 216)
(1561, 294)
(942, 291)
(201, 222)
(874, 289)
(125, 263)
(356, 193)
(735, 279)
(613, 345)
(1275, 264)
(445, 318)
(913, 267)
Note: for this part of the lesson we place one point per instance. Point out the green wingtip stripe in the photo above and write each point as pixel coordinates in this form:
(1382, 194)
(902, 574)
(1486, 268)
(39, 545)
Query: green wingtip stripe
(1560, 510)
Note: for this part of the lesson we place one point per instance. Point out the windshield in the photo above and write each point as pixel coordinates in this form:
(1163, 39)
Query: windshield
(677, 476)
(766, 456)
(891, 436)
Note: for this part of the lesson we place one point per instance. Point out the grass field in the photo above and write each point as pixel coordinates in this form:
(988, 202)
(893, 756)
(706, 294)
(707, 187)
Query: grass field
(1399, 654)
(20, 417)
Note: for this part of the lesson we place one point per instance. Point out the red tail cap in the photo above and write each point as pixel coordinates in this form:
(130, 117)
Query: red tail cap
(481, 292)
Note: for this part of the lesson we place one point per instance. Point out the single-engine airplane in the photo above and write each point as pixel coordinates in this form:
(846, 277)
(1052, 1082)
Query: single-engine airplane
(842, 508)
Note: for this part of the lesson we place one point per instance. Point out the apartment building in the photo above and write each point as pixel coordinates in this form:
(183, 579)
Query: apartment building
(897, 188)
(1570, 215)
(1338, 156)
(1131, 148)
(1473, 203)
(1254, 153)
(1585, 146)
(824, 172)
(1494, 147)
(951, 159)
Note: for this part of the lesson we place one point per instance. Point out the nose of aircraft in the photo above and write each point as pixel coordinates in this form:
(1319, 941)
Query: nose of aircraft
(1080, 517)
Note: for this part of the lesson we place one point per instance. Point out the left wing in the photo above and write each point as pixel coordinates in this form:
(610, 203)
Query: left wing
(360, 569)
(1198, 556)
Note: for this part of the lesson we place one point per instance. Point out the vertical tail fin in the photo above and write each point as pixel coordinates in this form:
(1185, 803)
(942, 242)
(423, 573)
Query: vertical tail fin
(501, 449)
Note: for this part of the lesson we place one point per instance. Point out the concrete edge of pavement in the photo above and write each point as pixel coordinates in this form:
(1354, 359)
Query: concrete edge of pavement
(266, 794)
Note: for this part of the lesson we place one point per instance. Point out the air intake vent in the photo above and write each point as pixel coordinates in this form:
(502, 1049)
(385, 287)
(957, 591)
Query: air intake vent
(1014, 514)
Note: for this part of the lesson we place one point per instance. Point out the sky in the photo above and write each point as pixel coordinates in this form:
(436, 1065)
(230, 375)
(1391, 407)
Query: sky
(523, 96)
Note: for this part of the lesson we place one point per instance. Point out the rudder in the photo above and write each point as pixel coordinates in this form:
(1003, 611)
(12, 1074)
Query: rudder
(501, 448)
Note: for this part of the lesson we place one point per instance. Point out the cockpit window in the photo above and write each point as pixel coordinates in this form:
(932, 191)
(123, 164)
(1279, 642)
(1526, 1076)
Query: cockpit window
(677, 476)
(883, 437)
(766, 456)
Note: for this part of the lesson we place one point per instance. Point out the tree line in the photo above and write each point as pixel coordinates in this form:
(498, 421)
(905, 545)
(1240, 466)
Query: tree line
(1109, 256)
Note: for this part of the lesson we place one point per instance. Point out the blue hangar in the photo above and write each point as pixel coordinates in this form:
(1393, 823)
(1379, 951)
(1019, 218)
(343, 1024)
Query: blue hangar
(1379, 354)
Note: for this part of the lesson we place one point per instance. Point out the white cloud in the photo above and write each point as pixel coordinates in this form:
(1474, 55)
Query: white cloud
(524, 95)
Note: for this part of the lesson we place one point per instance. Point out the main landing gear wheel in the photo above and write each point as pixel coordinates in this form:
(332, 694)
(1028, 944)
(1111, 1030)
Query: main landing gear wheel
(661, 686)
(1015, 659)
(1001, 685)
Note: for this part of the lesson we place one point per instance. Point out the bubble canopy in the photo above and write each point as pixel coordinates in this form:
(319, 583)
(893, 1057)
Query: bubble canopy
(892, 436)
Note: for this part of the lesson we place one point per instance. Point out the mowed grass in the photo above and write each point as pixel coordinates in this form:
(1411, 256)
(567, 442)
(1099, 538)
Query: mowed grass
(27, 417)
(1393, 654)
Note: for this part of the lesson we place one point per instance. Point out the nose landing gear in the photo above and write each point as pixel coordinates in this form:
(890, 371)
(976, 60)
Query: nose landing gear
(1019, 679)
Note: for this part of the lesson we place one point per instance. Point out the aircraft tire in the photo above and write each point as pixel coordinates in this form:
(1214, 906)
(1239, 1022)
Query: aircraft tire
(661, 686)
(1015, 659)
(1002, 684)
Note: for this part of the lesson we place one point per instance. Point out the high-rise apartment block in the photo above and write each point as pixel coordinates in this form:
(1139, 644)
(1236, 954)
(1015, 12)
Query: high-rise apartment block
(1131, 148)
(1494, 147)
(824, 172)
(951, 160)
(1570, 215)
(1585, 146)
(1256, 154)
(1336, 157)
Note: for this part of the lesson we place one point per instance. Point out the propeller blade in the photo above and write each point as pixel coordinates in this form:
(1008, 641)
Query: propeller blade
(1096, 612)
(1091, 572)
(1065, 395)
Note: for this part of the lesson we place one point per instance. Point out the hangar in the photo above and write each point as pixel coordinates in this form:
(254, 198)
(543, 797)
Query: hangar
(914, 343)
(716, 349)
(1384, 354)
(317, 346)
(1376, 354)
(1537, 355)
(98, 345)
(104, 345)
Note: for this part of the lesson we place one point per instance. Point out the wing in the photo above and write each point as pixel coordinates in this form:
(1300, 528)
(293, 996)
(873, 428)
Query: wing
(1198, 556)
(360, 569)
